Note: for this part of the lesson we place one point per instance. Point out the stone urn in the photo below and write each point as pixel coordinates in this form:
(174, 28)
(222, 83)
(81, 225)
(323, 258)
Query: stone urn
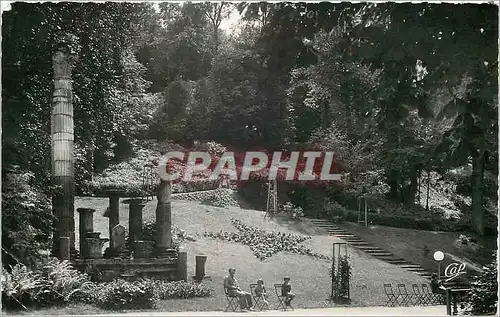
(143, 249)
(94, 246)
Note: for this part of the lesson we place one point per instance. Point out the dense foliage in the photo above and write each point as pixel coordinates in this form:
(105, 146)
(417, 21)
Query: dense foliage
(51, 283)
(26, 218)
(400, 92)
(483, 296)
(58, 283)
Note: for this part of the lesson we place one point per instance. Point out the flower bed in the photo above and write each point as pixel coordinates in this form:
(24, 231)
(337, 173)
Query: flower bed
(265, 244)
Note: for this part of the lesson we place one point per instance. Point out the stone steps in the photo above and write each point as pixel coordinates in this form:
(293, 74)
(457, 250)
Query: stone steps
(364, 246)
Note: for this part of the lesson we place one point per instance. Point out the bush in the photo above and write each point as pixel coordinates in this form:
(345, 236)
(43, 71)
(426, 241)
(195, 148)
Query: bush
(180, 289)
(483, 297)
(145, 294)
(55, 283)
(178, 235)
(121, 294)
(27, 220)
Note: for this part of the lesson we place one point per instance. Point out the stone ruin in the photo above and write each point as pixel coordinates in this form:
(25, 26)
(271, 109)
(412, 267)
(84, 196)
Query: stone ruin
(137, 258)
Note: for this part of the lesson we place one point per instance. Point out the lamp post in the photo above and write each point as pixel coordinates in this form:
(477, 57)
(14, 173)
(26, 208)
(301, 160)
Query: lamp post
(439, 256)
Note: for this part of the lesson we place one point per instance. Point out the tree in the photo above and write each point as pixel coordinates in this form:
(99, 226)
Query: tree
(215, 12)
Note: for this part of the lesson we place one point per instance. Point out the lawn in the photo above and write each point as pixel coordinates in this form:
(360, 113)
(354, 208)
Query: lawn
(310, 278)
(409, 244)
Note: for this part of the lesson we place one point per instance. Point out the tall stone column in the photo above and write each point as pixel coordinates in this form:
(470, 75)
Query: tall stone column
(86, 224)
(164, 221)
(135, 220)
(114, 211)
(62, 131)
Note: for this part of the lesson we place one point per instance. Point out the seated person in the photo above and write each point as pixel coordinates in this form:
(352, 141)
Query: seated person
(286, 291)
(260, 291)
(233, 290)
(436, 285)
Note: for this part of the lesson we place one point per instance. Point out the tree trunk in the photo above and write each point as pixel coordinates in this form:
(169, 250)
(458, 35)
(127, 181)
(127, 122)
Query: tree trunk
(428, 189)
(419, 181)
(477, 193)
(62, 131)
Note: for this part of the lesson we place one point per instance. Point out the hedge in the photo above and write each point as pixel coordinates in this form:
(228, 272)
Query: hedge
(412, 222)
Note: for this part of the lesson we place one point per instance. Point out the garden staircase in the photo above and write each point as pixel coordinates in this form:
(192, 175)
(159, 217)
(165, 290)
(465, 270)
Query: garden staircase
(374, 251)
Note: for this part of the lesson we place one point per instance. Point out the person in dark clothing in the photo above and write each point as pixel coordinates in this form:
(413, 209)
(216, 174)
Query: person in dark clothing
(436, 285)
(286, 291)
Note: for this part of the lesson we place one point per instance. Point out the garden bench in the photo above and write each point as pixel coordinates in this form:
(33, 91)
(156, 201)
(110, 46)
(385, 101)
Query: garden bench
(232, 301)
(281, 299)
(405, 297)
(392, 298)
(258, 300)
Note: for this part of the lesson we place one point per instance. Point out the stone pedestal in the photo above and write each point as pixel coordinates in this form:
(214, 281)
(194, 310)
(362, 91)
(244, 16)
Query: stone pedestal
(114, 211)
(64, 248)
(182, 265)
(200, 267)
(163, 247)
(143, 249)
(135, 221)
(93, 246)
(86, 225)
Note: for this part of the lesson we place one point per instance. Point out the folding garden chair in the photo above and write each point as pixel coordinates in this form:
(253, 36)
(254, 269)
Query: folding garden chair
(405, 297)
(417, 295)
(258, 300)
(232, 301)
(432, 298)
(281, 299)
(392, 298)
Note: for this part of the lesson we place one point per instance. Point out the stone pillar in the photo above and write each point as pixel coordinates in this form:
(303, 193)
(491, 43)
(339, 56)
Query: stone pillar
(200, 267)
(135, 221)
(66, 49)
(114, 211)
(182, 266)
(86, 224)
(64, 248)
(164, 221)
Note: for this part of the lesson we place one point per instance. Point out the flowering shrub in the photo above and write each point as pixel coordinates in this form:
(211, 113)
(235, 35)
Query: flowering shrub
(264, 244)
(178, 235)
(213, 148)
(180, 289)
(121, 294)
(292, 211)
(145, 294)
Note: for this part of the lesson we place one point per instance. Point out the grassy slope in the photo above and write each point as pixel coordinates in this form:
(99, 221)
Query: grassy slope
(409, 244)
(309, 275)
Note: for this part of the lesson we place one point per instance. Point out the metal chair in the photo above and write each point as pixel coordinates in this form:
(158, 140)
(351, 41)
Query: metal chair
(232, 301)
(432, 298)
(417, 295)
(281, 298)
(259, 301)
(405, 297)
(392, 298)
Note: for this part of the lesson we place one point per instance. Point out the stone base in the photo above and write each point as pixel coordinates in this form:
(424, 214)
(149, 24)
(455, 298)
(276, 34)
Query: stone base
(165, 253)
(206, 277)
(110, 253)
(109, 269)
